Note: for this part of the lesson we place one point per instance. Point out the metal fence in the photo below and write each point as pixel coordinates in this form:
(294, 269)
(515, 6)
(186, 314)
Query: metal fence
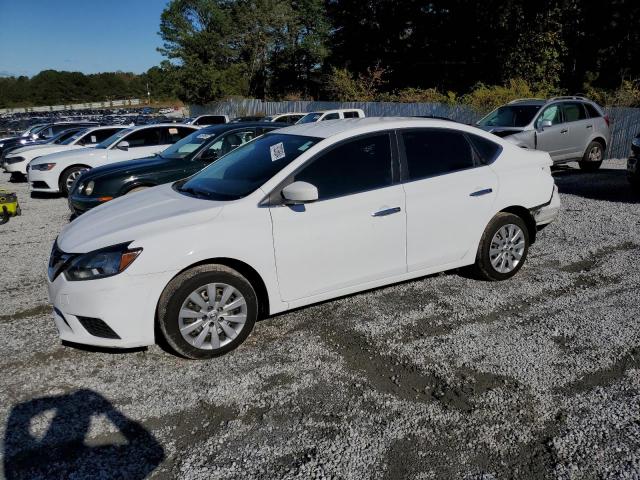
(625, 122)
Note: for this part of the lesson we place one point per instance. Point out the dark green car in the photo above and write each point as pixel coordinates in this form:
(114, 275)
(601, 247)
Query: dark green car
(182, 159)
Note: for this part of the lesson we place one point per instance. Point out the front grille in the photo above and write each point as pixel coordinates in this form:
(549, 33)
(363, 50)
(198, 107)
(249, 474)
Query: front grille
(97, 328)
(39, 184)
(12, 160)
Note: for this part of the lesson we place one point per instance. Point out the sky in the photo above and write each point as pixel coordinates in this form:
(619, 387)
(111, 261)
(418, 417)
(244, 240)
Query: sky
(86, 36)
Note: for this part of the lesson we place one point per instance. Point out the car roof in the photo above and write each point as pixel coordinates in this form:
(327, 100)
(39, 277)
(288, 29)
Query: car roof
(336, 110)
(155, 125)
(223, 127)
(329, 128)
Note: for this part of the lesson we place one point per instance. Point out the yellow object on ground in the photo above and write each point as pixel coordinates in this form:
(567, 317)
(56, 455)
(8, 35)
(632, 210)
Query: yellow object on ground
(9, 206)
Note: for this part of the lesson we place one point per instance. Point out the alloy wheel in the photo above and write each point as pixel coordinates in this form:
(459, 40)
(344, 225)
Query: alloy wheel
(507, 248)
(212, 316)
(595, 154)
(72, 177)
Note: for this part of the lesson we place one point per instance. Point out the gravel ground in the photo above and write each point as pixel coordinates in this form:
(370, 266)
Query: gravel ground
(443, 377)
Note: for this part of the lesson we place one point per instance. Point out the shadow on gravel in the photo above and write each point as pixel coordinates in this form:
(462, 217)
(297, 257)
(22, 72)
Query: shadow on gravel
(44, 195)
(47, 438)
(604, 184)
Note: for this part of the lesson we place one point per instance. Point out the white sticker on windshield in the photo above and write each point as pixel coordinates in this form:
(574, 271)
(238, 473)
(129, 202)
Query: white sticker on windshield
(277, 151)
(204, 136)
(173, 131)
(93, 139)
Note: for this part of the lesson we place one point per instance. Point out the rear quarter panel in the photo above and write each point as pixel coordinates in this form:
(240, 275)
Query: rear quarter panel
(524, 178)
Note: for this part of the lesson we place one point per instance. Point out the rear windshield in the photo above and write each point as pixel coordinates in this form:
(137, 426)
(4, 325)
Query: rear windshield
(246, 168)
(510, 116)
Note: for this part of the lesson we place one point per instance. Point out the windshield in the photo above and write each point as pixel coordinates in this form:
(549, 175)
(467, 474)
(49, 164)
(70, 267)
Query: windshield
(187, 145)
(106, 143)
(68, 140)
(510, 116)
(246, 168)
(310, 117)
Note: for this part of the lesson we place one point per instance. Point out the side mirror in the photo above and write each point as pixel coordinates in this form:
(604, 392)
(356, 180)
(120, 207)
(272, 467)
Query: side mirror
(545, 124)
(209, 155)
(123, 145)
(300, 192)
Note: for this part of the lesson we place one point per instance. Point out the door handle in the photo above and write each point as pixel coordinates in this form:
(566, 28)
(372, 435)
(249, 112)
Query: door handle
(589, 126)
(565, 130)
(479, 193)
(385, 212)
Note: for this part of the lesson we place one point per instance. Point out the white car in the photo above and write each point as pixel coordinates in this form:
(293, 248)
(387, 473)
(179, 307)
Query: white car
(290, 117)
(56, 173)
(297, 216)
(338, 114)
(17, 160)
(209, 120)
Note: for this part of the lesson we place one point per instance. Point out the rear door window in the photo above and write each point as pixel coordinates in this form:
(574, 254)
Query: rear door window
(351, 115)
(573, 112)
(436, 152)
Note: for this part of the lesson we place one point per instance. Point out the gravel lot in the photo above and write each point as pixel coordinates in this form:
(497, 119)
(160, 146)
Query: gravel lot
(444, 377)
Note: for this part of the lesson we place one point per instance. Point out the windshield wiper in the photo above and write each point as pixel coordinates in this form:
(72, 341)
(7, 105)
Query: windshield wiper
(194, 192)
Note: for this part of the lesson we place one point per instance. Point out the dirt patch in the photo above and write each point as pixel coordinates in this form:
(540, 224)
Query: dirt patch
(31, 312)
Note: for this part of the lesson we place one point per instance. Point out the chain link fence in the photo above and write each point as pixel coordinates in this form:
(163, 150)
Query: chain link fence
(625, 122)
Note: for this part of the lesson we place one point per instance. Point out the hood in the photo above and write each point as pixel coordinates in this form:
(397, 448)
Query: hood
(130, 167)
(135, 217)
(501, 131)
(83, 152)
(43, 149)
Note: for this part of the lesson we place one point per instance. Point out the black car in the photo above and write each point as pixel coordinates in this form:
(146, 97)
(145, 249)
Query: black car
(181, 160)
(633, 164)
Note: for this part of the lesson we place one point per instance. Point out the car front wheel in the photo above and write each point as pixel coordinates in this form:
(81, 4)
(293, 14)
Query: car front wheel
(207, 311)
(503, 248)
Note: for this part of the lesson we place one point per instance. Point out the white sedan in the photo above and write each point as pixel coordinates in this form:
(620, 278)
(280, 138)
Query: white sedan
(56, 173)
(17, 160)
(298, 216)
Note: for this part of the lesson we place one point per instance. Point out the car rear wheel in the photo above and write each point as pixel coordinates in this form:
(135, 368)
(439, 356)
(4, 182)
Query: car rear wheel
(503, 248)
(69, 177)
(207, 311)
(592, 158)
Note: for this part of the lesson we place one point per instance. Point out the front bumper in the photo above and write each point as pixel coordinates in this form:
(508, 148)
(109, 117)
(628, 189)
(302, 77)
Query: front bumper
(547, 213)
(43, 181)
(15, 166)
(79, 204)
(126, 304)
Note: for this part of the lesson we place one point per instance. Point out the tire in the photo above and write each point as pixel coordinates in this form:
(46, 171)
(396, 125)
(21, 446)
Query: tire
(176, 299)
(592, 158)
(492, 241)
(68, 177)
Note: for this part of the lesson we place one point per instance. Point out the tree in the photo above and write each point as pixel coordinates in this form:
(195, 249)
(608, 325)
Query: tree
(243, 47)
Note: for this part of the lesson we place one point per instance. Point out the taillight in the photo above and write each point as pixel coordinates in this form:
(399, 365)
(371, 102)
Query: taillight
(606, 119)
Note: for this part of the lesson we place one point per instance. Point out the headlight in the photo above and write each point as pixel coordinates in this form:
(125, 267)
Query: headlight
(89, 188)
(102, 263)
(1, 145)
(43, 166)
(636, 142)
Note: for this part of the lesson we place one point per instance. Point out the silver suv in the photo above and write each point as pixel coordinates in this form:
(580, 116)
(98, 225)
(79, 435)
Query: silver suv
(569, 128)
